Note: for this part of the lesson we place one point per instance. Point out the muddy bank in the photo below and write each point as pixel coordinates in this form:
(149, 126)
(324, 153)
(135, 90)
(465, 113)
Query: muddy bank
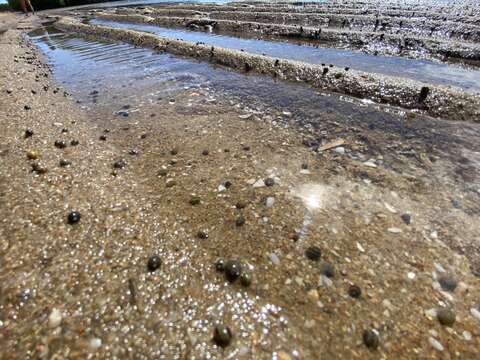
(412, 13)
(381, 24)
(436, 101)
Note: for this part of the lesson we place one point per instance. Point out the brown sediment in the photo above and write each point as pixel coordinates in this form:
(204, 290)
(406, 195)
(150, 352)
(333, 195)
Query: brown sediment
(443, 102)
(84, 290)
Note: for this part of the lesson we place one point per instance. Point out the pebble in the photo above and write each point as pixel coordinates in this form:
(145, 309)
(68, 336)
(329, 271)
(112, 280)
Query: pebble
(390, 208)
(340, 150)
(407, 218)
(270, 201)
(370, 163)
(446, 317)
(475, 313)
(119, 164)
(269, 182)
(228, 184)
(370, 339)
(259, 183)
(240, 205)
(233, 270)
(55, 318)
(354, 291)
(60, 144)
(313, 295)
(220, 265)
(39, 168)
(103, 137)
(246, 279)
(195, 200)
(173, 152)
(360, 247)
(411, 275)
(240, 221)
(327, 270)
(435, 344)
(325, 281)
(282, 355)
(274, 258)
(313, 253)
(74, 142)
(202, 235)
(394, 230)
(28, 133)
(95, 343)
(447, 282)
(32, 155)
(73, 217)
(205, 152)
(222, 335)
(64, 162)
(133, 152)
(170, 183)
(154, 263)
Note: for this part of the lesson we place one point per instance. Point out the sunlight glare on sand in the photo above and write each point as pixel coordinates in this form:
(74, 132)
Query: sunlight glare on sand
(312, 195)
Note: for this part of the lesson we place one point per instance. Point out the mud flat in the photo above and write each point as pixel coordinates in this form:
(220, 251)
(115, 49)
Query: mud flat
(347, 229)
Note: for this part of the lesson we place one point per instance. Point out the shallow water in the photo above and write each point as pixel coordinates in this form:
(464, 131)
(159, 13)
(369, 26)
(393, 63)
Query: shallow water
(421, 70)
(123, 74)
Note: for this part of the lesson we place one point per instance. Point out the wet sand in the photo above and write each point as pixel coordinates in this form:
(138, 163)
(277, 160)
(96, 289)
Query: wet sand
(391, 202)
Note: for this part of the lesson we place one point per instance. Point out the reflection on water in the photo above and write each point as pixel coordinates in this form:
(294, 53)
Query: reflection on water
(421, 70)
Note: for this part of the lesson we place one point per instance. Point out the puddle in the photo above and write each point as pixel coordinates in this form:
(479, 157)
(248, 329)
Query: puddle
(420, 70)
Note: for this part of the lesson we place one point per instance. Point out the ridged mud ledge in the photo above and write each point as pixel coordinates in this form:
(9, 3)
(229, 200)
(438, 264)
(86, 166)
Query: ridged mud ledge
(387, 12)
(437, 101)
(399, 25)
(392, 44)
